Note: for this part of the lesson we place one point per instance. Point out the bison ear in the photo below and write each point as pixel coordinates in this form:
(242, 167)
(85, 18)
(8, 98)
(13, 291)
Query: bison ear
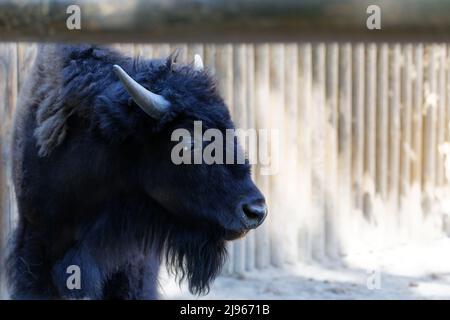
(172, 58)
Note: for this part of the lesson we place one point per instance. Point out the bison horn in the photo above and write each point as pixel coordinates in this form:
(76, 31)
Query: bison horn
(198, 62)
(153, 104)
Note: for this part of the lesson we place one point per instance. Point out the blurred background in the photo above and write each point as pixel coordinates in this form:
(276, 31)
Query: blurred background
(359, 206)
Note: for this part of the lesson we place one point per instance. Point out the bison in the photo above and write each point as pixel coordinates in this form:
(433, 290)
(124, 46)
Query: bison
(96, 187)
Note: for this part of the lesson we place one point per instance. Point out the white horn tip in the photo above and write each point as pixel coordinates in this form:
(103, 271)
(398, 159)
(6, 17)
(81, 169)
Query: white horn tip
(198, 63)
(116, 67)
(118, 71)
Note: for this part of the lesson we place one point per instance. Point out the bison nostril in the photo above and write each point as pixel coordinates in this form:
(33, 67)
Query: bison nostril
(255, 212)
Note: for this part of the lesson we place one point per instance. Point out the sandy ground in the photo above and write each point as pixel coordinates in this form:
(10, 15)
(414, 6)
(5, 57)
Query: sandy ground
(413, 271)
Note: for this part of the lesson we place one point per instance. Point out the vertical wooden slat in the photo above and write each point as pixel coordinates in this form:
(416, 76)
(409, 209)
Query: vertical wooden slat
(382, 139)
(358, 124)
(290, 154)
(394, 139)
(406, 120)
(382, 123)
(331, 147)
(317, 122)
(440, 172)
(262, 87)
(277, 218)
(210, 58)
(358, 105)
(370, 133)
(224, 71)
(417, 115)
(305, 133)
(417, 139)
(406, 140)
(345, 143)
(429, 142)
(161, 50)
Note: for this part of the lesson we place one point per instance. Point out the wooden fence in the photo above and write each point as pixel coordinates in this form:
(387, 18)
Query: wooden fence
(363, 143)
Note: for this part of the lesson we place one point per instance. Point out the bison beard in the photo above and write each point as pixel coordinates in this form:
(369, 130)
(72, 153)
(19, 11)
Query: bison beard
(195, 254)
(199, 260)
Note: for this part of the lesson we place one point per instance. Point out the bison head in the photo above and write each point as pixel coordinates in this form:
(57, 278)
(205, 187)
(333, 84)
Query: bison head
(200, 205)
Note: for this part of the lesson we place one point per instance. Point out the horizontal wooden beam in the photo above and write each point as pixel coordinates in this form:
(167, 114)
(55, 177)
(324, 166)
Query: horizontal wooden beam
(224, 20)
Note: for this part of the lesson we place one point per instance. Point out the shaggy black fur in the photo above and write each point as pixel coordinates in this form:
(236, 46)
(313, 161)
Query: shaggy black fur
(96, 186)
